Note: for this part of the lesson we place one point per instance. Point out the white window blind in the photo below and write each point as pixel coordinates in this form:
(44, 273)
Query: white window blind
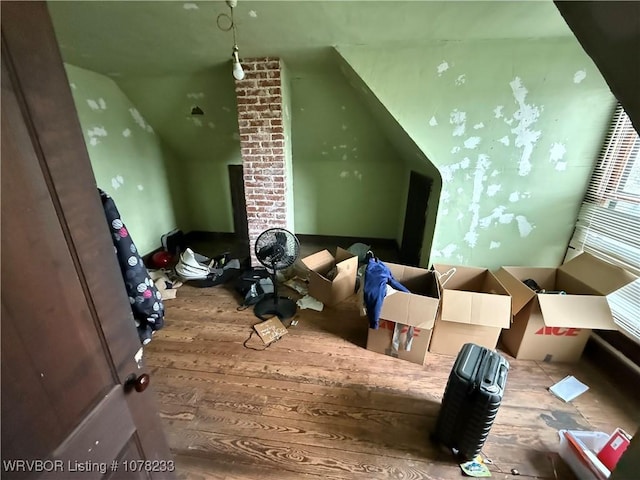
(608, 224)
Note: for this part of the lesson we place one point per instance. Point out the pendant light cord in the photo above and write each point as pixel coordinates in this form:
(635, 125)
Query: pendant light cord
(232, 24)
(233, 27)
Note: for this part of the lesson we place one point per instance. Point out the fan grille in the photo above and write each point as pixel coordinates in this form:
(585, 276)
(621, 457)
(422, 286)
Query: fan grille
(277, 248)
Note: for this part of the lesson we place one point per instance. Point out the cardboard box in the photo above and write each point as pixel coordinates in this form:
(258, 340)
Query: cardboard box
(417, 309)
(475, 308)
(341, 286)
(552, 327)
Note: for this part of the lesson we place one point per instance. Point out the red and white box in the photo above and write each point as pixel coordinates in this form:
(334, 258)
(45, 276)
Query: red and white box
(614, 448)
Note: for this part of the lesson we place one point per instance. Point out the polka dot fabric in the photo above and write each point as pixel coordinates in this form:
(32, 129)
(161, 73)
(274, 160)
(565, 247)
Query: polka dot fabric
(144, 297)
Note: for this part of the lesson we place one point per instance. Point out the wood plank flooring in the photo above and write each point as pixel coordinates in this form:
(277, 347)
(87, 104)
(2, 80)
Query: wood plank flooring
(317, 404)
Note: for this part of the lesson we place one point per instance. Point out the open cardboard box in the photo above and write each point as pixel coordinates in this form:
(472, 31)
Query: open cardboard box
(341, 286)
(417, 309)
(552, 327)
(475, 308)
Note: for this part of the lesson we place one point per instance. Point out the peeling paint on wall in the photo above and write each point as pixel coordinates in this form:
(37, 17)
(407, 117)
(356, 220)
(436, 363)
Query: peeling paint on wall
(94, 134)
(98, 105)
(443, 67)
(526, 116)
(556, 154)
(346, 174)
(447, 171)
(449, 250)
(459, 119)
(190, 6)
(117, 182)
(472, 142)
(497, 216)
(137, 117)
(195, 95)
(107, 116)
(524, 227)
(461, 79)
(253, 14)
(493, 189)
(482, 164)
(526, 123)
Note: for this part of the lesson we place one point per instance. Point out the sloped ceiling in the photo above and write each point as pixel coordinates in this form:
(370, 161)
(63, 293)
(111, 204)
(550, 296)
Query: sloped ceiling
(159, 38)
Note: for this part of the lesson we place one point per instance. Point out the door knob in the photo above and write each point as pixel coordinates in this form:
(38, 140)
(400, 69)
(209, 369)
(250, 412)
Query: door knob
(139, 383)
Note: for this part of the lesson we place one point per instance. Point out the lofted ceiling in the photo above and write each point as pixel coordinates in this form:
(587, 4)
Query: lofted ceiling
(151, 38)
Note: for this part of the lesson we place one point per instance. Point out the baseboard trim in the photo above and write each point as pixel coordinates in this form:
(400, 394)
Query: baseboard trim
(345, 242)
(334, 240)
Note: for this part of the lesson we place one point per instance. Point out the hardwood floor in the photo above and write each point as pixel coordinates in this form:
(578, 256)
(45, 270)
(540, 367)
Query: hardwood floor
(317, 404)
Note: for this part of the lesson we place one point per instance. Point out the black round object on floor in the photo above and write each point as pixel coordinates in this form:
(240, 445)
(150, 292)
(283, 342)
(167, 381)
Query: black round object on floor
(271, 305)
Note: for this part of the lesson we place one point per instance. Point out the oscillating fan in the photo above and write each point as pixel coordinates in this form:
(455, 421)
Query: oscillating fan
(276, 249)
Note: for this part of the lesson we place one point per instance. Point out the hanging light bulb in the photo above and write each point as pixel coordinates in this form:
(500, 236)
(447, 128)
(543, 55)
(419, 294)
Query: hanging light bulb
(238, 72)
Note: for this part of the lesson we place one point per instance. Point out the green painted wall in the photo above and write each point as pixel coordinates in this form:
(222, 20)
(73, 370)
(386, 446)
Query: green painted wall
(351, 189)
(347, 176)
(204, 144)
(288, 143)
(414, 159)
(126, 154)
(514, 127)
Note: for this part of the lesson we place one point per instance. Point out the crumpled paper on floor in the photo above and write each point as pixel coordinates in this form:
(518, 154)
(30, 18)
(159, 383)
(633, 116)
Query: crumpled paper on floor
(298, 285)
(311, 303)
(165, 285)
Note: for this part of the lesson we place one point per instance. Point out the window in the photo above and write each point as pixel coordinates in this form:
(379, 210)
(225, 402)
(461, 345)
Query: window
(608, 223)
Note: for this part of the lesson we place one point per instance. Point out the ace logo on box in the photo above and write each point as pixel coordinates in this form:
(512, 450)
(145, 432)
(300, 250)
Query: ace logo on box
(385, 324)
(559, 331)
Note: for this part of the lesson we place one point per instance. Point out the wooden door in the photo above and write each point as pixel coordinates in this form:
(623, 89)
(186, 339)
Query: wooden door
(68, 338)
(415, 219)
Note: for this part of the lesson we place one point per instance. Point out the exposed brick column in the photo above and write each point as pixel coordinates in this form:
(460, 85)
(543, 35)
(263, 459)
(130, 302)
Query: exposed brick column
(259, 99)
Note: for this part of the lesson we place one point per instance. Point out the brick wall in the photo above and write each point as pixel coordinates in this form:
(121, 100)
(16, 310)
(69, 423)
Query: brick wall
(262, 142)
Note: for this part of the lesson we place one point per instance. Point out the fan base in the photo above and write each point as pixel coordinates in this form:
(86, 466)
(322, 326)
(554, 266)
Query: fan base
(281, 307)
